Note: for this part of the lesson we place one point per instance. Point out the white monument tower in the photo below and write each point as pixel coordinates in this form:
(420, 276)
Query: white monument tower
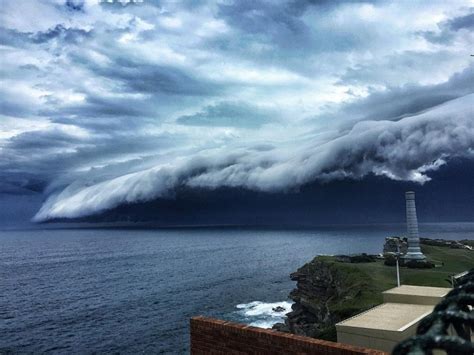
(414, 251)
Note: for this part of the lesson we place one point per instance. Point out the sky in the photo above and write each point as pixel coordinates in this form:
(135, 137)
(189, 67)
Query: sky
(106, 105)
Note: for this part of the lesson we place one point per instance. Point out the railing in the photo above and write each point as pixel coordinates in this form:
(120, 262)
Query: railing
(454, 314)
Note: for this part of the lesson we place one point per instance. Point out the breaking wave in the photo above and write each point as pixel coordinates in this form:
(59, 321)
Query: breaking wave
(261, 314)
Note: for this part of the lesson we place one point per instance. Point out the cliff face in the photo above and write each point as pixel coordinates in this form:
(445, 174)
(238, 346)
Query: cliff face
(326, 292)
(331, 289)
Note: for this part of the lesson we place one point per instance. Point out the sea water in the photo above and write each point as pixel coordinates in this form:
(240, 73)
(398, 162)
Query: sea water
(128, 291)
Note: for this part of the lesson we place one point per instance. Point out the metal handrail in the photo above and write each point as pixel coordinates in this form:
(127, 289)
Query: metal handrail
(452, 315)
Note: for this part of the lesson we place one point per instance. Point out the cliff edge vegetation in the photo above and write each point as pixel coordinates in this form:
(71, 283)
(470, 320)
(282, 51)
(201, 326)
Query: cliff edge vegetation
(330, 289)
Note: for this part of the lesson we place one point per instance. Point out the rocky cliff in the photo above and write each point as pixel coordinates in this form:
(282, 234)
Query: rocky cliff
(326, 292)
(331, 289)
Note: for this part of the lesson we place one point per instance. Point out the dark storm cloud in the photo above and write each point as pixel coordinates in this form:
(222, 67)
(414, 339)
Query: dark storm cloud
(75, 5)
(96, 106)
(51, 139)
(231, 114)
(44, 154)
(284, 28)
(396, 102)
(447, 29)
(11, 107)
(141, 77)
(263, 17)
(403, 150)
(17, 39)
(461, 22)
(69, 35)
(398, 68)
(108, 105)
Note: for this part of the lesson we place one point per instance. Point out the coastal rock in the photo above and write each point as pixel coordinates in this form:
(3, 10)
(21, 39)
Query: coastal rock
(330, 289)
(322, 297)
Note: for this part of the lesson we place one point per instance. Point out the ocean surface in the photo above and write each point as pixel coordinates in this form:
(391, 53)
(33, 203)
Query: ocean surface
(133, 291)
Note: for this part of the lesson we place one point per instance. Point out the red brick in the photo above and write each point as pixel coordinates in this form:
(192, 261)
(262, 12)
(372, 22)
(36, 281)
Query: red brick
(214, 336)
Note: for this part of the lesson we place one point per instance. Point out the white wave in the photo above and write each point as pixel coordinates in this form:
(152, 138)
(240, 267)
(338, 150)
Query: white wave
(261, 314)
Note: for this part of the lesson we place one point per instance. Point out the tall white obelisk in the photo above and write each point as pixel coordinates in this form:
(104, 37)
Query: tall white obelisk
(414, 251)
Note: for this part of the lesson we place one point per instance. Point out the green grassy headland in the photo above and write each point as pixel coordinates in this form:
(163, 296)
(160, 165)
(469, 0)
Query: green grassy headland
(365, 282)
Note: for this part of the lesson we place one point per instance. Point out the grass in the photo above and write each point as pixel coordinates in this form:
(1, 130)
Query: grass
(367, 281)
(455, 261)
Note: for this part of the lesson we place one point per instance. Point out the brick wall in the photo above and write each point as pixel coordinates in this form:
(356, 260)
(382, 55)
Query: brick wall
(213, 336)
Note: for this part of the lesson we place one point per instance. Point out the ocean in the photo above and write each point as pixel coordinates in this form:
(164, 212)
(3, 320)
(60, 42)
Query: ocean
(66, 291)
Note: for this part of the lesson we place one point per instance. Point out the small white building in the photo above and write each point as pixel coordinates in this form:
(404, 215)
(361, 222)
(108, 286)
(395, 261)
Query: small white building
(386, 325)
(415, 294)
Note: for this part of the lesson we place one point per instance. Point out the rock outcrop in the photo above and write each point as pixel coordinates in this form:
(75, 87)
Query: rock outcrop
(324, 295)
(331, 289)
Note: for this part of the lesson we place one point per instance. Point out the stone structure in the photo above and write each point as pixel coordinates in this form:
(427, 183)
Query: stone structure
(414, 251)
(384, 326)
(415, 294)
(390, 245)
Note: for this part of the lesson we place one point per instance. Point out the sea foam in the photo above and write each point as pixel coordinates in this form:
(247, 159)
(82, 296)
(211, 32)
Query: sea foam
(261, 314)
